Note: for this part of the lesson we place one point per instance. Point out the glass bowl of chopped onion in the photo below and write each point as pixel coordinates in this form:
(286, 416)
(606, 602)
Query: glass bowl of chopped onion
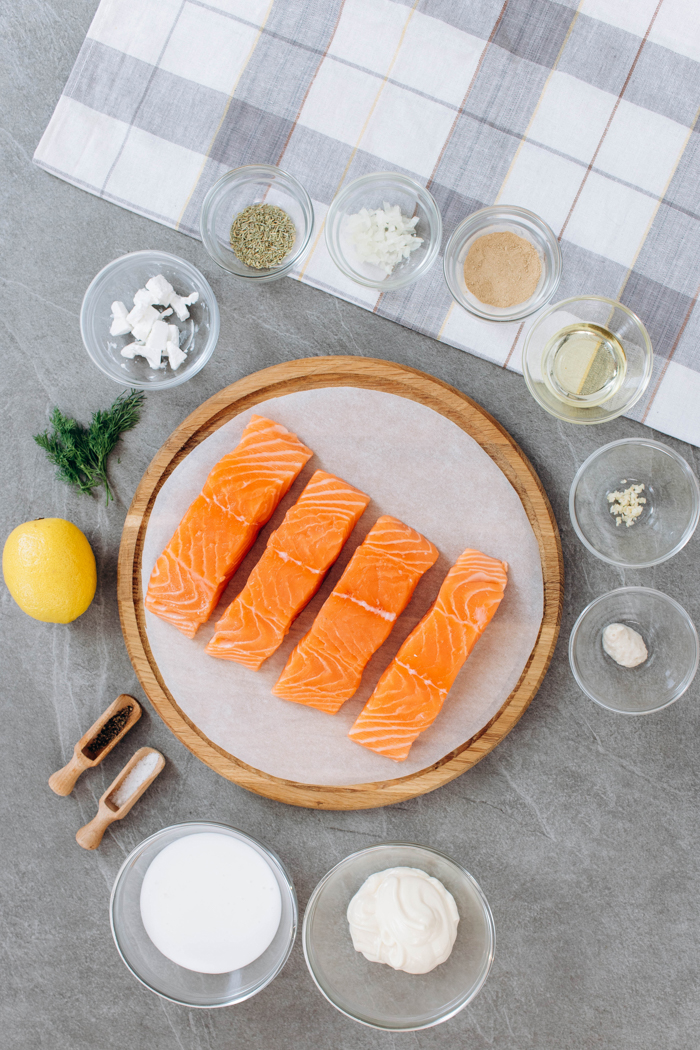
(192, 320)
(518, 223)
(256, 222)
(647, 676)
(634, 503)
(383, 230)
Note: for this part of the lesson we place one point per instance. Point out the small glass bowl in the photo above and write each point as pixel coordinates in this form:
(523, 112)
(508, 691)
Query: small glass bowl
(375, 994)
(166, 978)
(607, 314)
(670, 514)
(505, 219)
(669, 635)
(119, 280)
(373, 191)
(236, 190)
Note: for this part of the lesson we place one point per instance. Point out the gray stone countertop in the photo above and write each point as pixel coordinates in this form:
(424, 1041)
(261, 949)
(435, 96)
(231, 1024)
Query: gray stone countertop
(581, 827)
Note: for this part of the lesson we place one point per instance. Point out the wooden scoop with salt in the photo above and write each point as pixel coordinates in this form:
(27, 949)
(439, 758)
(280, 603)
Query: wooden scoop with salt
(126, 789)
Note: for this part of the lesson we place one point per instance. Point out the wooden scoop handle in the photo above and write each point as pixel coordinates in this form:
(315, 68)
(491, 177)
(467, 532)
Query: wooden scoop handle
(63, 781)
(90, 835)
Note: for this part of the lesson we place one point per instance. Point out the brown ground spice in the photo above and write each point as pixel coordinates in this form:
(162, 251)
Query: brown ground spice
(502, 269)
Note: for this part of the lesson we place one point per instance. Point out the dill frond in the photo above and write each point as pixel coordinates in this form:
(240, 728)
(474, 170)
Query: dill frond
(80, 453)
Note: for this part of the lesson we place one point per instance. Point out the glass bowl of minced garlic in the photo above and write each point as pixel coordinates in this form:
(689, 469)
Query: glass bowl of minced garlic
(634, 503)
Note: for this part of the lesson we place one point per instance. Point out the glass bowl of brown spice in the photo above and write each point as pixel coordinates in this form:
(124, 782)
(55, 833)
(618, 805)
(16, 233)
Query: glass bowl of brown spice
(502, 263)
(256, 222)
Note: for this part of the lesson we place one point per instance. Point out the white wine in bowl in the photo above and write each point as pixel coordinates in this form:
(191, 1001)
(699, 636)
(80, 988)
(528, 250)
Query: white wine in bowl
(583, 364)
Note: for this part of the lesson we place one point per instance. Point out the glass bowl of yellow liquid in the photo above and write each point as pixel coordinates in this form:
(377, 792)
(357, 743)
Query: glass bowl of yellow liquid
(587, 359)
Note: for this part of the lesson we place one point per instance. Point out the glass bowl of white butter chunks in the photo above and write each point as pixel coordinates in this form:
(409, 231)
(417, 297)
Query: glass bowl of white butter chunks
(150, 320)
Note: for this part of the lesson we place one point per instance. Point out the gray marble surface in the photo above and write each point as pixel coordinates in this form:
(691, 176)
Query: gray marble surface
(581, 826)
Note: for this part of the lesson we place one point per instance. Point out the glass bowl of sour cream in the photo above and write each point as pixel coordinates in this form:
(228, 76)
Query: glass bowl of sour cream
(203, 914)
(374, 993)
(645, 661)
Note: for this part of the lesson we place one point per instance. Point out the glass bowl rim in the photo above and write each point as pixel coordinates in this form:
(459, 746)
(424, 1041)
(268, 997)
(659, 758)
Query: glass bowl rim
(687, 681)
(235, 175)
(288, 883)
(649, 359)
(214, 326)
(486, 909)
(685, 468)
(516, 212)
(429, 204)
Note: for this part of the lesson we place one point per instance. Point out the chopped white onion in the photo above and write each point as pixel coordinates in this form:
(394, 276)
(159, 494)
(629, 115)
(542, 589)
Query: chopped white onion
(383, 236)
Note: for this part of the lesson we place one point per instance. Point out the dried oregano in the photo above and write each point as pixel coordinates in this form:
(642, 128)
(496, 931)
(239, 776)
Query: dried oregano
(262, 235)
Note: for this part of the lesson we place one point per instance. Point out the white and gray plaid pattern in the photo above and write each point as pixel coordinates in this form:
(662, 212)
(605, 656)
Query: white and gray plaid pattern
(584, 113)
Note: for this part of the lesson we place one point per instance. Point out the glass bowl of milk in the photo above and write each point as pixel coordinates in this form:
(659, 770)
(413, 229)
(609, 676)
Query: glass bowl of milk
(374, 992)
(203, 914)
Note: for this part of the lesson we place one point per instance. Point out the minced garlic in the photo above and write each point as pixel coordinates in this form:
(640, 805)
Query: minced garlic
(627, 505)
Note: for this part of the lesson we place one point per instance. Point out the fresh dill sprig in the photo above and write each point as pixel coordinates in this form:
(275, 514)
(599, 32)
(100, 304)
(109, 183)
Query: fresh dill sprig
(80, 453)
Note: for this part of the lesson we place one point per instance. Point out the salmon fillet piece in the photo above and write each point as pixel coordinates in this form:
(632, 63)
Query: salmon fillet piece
(325, 668)
(409, 695)
(297, 557)
(238, 498)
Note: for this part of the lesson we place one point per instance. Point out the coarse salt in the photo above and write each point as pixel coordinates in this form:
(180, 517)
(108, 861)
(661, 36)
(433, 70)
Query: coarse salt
(383, 236)
(138, 776)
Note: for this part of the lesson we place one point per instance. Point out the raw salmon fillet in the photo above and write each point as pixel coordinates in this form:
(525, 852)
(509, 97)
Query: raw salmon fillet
(238, 498)
(410, 693)
(297, 557)
(326, 667)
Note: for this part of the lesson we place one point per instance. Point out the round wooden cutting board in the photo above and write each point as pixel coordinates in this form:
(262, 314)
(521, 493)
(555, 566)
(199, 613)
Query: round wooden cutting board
(372, 374)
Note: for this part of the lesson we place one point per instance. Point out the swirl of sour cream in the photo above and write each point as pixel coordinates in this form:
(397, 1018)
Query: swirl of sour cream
(404, 918)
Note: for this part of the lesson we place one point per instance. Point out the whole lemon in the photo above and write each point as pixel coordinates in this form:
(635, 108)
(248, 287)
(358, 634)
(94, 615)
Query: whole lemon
(49, 569)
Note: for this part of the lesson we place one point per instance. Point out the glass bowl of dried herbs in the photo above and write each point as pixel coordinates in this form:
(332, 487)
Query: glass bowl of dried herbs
(119, 281)
(256, 222)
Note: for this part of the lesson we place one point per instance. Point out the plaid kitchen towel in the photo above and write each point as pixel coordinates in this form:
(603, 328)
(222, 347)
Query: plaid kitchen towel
(585, 113)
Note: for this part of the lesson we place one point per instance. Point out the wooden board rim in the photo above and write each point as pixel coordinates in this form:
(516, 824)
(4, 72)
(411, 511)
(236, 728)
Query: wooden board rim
(313, 373)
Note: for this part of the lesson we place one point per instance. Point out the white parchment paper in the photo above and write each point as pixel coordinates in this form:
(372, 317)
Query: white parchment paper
(423, 469)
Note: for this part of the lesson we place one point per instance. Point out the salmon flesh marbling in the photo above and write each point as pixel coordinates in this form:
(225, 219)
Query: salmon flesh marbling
(239, 497)
(410, 694)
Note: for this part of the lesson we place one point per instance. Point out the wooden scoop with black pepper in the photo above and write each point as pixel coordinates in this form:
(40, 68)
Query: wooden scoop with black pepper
(99, 740)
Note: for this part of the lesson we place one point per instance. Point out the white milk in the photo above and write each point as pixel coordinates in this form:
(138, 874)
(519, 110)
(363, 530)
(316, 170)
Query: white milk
(210, 903)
